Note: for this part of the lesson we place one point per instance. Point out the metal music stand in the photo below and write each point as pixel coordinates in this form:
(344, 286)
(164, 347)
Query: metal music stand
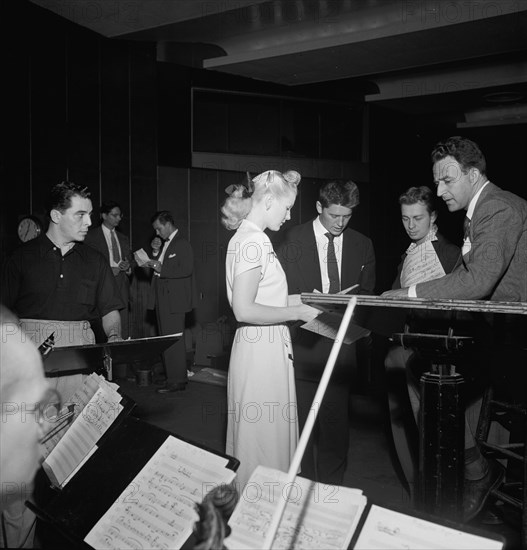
(101, 357)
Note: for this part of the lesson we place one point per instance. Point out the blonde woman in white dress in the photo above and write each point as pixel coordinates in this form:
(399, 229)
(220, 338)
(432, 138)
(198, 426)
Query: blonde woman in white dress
(262, 426)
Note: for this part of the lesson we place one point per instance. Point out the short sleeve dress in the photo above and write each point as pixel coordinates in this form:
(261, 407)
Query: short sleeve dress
(262, 426)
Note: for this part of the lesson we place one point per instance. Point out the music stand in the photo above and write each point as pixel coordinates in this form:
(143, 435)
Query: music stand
(101, 357)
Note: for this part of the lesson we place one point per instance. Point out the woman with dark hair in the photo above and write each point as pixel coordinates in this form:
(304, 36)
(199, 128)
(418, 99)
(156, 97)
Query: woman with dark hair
(261, 399)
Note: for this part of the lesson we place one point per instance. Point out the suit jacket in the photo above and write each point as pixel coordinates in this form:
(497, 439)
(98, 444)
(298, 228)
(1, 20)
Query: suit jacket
(496, 266)
(299, 257)
(447, 253)
(176, 282)
(96, 239)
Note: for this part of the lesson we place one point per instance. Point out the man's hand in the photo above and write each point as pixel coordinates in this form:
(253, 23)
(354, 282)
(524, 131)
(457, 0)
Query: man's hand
(115, 338)
(399, 293)
(156, 265)
(156, 245)
(124, 265)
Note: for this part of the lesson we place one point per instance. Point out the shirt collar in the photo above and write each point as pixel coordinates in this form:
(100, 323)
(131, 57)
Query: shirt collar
(172, 235)
(107, 230)
(46, 245)
(320, 230)
(431, 236)
(472, 203)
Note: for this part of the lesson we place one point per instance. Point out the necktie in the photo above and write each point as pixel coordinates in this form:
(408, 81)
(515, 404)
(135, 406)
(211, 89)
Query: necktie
(333, 268)
(115, 247)
(466, 227)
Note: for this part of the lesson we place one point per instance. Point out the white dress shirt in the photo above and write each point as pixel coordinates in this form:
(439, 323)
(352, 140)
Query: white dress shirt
(322, 248)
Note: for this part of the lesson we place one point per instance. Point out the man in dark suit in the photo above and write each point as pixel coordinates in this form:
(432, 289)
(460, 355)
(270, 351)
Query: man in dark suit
(492, 267)
(325, 255)
(115, 247)
(172, 295)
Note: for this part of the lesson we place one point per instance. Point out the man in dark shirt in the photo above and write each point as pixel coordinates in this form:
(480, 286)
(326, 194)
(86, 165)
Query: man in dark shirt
(56, 284)
(55, 281)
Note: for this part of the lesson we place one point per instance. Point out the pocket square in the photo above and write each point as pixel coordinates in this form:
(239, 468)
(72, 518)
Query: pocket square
(172, 256)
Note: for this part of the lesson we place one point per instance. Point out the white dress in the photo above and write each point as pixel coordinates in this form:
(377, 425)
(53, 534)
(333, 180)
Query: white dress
(261, 400)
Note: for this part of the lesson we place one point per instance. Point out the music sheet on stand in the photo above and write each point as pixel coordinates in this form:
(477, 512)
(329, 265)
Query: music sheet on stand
(316, 517)
(385, 528)
(81, 438)
(157, 509)
(79, 400)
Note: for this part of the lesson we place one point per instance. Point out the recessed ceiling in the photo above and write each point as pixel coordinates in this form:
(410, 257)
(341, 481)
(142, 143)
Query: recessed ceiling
(421, 53)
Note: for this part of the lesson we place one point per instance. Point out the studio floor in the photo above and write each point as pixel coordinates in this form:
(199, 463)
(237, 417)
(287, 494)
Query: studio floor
(199, 414)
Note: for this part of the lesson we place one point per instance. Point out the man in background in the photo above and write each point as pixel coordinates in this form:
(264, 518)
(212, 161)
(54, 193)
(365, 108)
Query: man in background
(325, 255)
(172, 295)
(115, 246)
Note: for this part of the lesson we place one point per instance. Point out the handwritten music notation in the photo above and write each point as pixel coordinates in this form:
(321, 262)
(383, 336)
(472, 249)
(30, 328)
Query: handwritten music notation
(96, 405)
(157, 510)
(316, 516)
(386, 528)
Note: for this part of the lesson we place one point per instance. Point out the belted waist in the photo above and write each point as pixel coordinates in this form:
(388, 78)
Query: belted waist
(241, 325)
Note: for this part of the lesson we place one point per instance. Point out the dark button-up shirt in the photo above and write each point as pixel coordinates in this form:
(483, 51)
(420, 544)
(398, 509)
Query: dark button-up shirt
(40, 283)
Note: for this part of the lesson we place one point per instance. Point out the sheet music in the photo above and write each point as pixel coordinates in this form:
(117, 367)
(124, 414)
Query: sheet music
(388, 529)
(78, 400)
(157, 510)
(420, 265)
(96, 417)
(316, 517)
(328, 323)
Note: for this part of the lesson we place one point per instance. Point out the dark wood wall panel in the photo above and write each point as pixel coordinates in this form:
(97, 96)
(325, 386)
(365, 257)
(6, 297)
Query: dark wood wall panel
(173, 195)
(203, 224)
(143, 135)
(83, 115)
(115, 127)
(48, 111)
(15, 173)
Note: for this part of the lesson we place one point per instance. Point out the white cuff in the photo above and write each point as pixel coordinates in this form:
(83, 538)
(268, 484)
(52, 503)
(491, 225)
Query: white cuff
(411, 292)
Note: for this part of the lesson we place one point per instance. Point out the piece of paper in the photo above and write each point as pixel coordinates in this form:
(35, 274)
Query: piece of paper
(76, 404)
(328, 323)
(421, 264)
(141, 257)
(93, 421)
(157, 509)
(385, 528)
(316, 517)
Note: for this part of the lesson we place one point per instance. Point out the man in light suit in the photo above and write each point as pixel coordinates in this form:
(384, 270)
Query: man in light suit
(172, 294)
(115, 247)
(305, 255)
(492, 266)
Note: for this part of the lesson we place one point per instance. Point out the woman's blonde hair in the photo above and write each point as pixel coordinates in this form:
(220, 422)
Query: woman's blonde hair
(242, 196)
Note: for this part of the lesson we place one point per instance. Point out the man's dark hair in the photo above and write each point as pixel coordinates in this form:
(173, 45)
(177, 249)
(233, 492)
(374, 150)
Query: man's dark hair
(422, 194)
(464, 150)
(61, 194)
(343, 193)
(108, 206)
(164, 217)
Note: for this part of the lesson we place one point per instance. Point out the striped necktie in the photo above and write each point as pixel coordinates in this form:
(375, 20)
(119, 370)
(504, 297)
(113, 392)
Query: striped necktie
(115, 247)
